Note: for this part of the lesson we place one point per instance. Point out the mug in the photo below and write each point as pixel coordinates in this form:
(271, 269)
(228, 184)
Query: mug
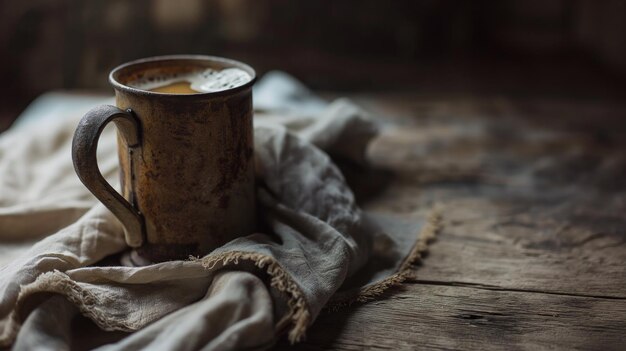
(186, 160)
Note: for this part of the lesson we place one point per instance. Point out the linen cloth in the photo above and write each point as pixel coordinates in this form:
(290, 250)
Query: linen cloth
(60, 248)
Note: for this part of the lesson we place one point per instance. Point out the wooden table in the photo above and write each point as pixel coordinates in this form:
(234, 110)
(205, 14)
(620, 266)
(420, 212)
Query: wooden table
(532, 254)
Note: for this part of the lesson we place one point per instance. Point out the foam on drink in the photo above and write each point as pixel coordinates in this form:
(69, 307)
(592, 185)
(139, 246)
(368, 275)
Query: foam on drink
(202, 81)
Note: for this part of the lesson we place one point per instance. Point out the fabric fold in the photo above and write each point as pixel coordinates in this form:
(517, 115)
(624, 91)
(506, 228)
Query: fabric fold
(316, 241)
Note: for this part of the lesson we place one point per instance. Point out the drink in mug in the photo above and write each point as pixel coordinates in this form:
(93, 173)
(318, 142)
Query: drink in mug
(185, 147)
(206, 80)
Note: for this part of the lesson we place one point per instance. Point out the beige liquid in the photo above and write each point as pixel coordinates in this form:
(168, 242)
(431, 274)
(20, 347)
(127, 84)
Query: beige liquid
(196, 82)
(176, 88)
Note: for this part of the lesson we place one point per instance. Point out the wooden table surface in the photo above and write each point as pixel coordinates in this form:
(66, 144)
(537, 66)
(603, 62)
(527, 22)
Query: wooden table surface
(532, 254)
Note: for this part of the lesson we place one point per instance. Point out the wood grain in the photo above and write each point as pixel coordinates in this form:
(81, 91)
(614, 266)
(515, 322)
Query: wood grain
(533, 250)
(442, 317)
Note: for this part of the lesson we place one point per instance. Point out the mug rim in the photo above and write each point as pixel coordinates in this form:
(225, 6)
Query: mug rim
(206, 58)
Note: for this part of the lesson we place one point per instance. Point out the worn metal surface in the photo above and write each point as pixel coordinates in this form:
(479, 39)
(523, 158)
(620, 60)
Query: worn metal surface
(192, 176)
(84, 147)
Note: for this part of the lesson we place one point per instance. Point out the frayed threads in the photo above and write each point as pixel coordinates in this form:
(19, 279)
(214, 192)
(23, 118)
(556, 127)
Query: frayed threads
(60, 283)
(370, 292)
(280, 280)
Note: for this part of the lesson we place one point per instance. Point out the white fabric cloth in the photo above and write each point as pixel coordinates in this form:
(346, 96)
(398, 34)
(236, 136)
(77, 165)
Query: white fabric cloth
(60, 248)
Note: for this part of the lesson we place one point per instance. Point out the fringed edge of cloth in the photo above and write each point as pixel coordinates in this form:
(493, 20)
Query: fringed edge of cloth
(425, 237)
(57, 282)
(280, 280)
(88, 303)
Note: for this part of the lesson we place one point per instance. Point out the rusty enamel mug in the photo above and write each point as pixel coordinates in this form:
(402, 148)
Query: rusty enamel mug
(186, 160)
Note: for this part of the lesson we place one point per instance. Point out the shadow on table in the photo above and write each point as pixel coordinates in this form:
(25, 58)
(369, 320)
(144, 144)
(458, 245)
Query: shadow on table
(366, 182)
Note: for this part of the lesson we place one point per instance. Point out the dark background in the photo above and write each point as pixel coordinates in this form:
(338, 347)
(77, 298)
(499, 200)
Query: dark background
(564, 49)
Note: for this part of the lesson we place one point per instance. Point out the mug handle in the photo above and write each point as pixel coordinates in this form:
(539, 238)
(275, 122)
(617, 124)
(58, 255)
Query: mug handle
(84, 146)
